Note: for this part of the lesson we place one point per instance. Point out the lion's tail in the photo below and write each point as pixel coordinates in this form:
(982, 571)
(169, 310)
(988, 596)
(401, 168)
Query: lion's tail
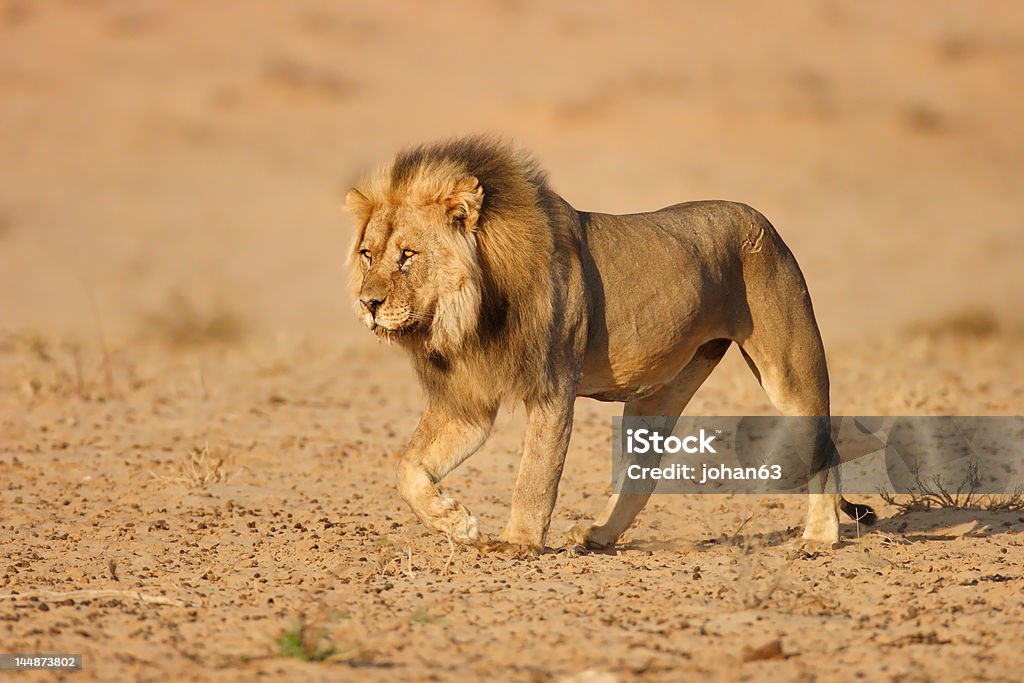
(861, 513)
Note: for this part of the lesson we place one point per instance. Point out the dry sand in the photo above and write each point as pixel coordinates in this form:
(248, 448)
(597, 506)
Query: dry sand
(197, 440)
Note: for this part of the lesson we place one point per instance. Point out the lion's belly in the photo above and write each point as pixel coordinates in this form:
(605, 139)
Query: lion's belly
(634, 364)
(653, 308)
(625, 384)
(638, 347)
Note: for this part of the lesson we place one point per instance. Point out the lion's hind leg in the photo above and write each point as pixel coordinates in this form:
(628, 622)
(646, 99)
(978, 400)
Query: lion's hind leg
(786, 355)
(668, 402)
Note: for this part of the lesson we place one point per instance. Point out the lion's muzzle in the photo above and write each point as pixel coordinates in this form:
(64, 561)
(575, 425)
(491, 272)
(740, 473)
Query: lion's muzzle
(371, 304)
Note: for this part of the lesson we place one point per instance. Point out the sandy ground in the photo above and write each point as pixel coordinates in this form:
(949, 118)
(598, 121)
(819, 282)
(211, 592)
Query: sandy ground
(197, 440)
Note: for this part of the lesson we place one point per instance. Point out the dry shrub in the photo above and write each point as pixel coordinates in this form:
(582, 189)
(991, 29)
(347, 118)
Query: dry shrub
(65, 369)
(934, 494)
(760, 568)
(181, 323)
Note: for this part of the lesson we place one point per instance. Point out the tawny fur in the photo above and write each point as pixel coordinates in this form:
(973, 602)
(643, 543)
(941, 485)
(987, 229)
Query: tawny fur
(501, 291)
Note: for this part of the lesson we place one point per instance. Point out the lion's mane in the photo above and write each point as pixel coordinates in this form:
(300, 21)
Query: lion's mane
(492, 337)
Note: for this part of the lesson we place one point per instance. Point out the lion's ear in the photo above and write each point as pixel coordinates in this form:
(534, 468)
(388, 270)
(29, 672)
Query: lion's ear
(358, 204)
(465, 202)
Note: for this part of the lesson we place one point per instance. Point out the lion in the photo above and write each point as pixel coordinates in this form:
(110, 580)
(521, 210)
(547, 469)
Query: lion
(500, 291)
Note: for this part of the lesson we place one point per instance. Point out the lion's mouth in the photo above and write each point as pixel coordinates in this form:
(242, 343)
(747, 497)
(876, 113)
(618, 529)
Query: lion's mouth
(393, 333)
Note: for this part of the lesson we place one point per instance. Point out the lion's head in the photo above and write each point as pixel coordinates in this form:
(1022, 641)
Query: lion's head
(415, 269)
(424, 260)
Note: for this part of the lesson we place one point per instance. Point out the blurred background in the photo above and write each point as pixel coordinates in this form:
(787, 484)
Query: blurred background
(187, 398)
(175, 170)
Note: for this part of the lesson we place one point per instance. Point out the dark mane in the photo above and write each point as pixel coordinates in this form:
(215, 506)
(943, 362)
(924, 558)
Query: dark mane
(521, 249)
(511, 179)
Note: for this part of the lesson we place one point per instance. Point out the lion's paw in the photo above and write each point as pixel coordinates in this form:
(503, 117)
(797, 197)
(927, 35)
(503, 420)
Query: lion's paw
(455, 521)
(514, 550)
(583, 536)
(822, 535)
(813, 548)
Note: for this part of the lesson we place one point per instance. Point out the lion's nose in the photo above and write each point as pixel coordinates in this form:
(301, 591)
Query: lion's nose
(371, 303)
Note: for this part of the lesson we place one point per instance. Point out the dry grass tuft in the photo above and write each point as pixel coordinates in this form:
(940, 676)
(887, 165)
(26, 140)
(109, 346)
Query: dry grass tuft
(198, 470)
(65, 369)
(391, 559)
(760, 569)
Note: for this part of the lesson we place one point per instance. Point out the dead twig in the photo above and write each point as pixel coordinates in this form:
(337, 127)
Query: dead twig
(735, 535)
(451, 556)
(408, 561)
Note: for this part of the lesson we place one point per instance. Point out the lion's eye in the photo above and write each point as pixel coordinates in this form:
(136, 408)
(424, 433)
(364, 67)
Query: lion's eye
(406, 255)
(365, 254)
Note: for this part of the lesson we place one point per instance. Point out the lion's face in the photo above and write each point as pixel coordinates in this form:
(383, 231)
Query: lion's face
(399, 278)
(415, 272)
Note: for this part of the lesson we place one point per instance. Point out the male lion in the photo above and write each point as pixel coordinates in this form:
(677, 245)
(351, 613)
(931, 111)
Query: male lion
(500, 290)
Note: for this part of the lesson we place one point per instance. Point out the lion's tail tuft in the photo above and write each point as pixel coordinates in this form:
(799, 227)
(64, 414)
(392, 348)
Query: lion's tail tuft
(861, 513)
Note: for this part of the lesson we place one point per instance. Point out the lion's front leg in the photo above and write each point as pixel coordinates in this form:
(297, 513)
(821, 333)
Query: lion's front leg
(548, 427)
(442, 441)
